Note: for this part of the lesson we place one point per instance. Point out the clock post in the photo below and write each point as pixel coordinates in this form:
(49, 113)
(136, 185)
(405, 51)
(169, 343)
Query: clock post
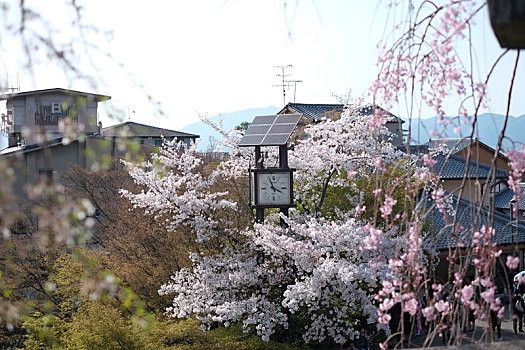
(259, 212)
(283, 164)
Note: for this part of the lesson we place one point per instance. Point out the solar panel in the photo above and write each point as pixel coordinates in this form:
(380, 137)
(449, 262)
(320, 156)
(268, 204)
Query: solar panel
(275, 140)
(282, 129)
(251, 140)
(270, 130)
(259, 129)
(288, 118)
(264, 119)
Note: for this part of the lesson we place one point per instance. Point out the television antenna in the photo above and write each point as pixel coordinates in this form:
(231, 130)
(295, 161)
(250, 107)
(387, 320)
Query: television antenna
(128, 110)
(12, 89)
(284, 85)
(294, 82)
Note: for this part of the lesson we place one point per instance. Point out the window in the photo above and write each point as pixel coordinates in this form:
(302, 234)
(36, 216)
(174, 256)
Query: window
(51, 113)
(158, 142)
(500, 186)
(45, 175)
(56, 108)
(19, 227)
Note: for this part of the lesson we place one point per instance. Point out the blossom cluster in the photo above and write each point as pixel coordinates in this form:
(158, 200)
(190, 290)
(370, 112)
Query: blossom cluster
(176, 190)
(425, 59)
(517, 166)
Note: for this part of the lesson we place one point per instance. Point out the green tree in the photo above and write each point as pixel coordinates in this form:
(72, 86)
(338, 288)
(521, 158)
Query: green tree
(242, 127)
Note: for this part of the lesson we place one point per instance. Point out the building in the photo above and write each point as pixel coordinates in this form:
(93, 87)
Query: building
(467, 218)
(34, 116)
(38, 150)
(473, 181)
(479, 151)
(480, 197)
(146, 135)
(314, 113)
(45, 161)
(503, 202)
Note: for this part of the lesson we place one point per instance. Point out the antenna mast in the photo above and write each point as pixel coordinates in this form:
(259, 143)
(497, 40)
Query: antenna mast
(294, 82)
(129, 110)
(283, 84)
(12, 89)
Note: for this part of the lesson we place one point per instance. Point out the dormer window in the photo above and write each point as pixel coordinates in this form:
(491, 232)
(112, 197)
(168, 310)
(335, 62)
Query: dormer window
(499, 186)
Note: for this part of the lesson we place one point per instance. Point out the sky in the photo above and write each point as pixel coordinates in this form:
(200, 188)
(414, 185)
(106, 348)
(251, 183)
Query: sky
(209, 57)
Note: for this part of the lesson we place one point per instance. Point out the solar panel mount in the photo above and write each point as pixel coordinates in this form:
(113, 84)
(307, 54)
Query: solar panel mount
(270, 130)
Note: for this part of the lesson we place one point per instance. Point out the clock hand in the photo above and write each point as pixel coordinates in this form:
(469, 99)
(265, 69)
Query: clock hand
(276, 189)
(273, 187)
(271, 183)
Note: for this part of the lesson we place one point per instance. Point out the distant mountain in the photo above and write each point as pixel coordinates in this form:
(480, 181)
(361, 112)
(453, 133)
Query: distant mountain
(487, 130)
(229, 121)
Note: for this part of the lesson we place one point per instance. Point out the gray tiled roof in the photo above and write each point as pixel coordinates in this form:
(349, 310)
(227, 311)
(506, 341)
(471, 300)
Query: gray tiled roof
(132, 129)
(470, 218)
(35, 146)
(455, 168)
(452, 145)
(414, 149)
(315, 111)
(502, 199)
(390, 118)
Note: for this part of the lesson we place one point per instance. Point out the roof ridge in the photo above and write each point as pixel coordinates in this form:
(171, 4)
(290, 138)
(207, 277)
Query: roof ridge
(485, 166)
(453, 138)
(131, 123)
(102, 97)
(316, 104)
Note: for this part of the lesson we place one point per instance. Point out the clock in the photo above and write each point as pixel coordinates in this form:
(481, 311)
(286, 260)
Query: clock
(272, 188)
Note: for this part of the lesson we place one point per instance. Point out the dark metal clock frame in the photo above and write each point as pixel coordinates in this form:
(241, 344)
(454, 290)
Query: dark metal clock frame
(254, 187)
(260, 169)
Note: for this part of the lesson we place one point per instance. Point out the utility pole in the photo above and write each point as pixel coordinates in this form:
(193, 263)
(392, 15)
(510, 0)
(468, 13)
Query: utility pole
(283, 84)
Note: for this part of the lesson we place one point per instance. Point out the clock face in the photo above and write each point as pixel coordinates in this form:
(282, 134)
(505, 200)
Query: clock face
(274, 188)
